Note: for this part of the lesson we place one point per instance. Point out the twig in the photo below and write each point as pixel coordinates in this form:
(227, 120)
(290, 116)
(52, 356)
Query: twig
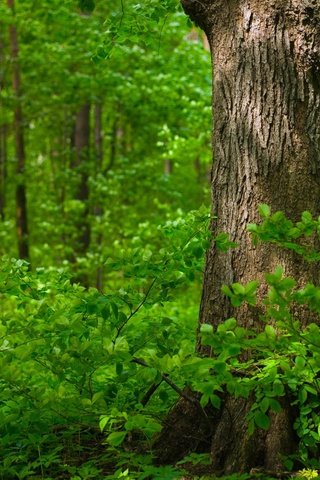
(166, 379)
(151, 390)
(135, 310)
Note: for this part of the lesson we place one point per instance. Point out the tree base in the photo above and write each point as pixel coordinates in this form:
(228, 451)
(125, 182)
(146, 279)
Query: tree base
(224, 434)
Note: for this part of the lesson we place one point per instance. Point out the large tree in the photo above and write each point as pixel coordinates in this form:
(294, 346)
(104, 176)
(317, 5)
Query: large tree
(266, 145)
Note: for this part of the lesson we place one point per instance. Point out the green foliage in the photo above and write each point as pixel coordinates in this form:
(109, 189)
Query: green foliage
(241, 293)
(282, 355)
(148, 117)
(68, 355)
(135, 24)
(73, 360)
(308, 473)
(278, 229)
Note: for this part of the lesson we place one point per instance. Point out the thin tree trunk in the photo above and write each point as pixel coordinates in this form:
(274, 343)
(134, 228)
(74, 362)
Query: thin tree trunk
(3, 169)
(21, 197)
(116, 134)
(98, 144)
(98, 140)
(3, 136)
(81, 165)
(82, 147)
(199, 170)
(266, 103)
(168, 166)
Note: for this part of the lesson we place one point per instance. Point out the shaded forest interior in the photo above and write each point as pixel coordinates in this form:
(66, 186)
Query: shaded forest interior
(116, 226)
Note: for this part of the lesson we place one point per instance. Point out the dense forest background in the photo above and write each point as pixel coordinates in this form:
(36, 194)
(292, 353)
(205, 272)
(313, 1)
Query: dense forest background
(105, 126)
(115, 119)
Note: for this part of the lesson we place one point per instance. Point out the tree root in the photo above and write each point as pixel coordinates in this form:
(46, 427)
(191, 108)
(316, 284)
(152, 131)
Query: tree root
(224, 434)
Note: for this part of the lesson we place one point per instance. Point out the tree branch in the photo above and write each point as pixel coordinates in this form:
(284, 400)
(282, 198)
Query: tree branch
(167, 380)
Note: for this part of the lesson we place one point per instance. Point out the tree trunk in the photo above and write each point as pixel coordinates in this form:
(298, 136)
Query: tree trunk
(98, 210)
(3, 169)
(168, 166)
(266, 142)
(3, 135)
(116, 134)
(21, 197)
(81, 165)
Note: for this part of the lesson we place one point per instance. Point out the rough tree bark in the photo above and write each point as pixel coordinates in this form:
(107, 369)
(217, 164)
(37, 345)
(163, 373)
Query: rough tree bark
(21, 196)
(266, 144)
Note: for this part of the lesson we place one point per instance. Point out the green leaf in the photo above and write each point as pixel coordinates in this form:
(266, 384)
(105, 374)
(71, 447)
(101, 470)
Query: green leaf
(300, 363)
(122, 317)
(252, 227)
(119, 368)
(215, 401)
(278, 388)
(230, 324)
(163, 395)
(264, 404)
(116, 438)
(251, 427)
(311, 389)
(97, 396)
(261, 420)
(270, 331)
(115, 310)
(306, 217)
(264, 210)
(273, 278)
(223, 242)
(238, 289)
(103, 422)
(275, 405)
(233, 350)
(226, 290)
(204, 400)
(206, 329)
(219, 366)
(251, 287)
(302, 395)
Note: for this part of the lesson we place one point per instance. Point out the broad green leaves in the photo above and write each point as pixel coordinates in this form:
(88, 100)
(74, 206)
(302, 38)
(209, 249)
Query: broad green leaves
(65, 350)
(71, 350)
(241, 293)
(278, 229)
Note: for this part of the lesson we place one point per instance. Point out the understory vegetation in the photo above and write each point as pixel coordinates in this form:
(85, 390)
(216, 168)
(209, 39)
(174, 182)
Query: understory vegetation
(87, 377)
(98, 322)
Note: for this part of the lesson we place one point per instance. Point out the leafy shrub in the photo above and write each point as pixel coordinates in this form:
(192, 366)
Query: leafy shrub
(86, 377)
(71, 358)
